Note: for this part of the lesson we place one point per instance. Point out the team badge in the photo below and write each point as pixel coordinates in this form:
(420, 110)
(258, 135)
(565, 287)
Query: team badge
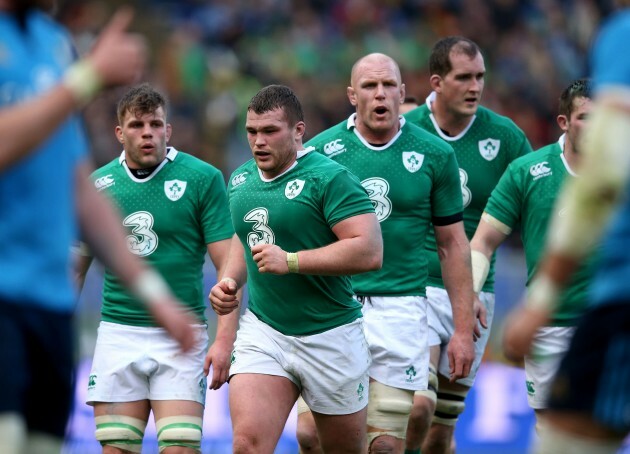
(293, 189)
(489, 148)
(174, 189)
(412, 160)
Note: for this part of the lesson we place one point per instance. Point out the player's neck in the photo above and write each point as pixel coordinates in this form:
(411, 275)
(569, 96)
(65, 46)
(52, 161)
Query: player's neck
(377, 138)
(572, 158)
(449, 122)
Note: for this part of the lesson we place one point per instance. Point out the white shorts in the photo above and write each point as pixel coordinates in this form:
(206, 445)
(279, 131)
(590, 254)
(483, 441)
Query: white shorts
(396, 331)
(441, 329)
(549, 346)
(329, 368)
(138, 363)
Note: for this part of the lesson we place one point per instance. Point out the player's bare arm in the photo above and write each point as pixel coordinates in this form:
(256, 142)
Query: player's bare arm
(454, 253)
(359, 249)
(224, 295)
(219, 352)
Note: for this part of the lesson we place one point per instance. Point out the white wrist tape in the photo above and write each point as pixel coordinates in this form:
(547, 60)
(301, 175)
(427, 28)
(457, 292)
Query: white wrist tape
(83, 81)
(150, 287)
(480, 268)
(542, 294)
(229, 279)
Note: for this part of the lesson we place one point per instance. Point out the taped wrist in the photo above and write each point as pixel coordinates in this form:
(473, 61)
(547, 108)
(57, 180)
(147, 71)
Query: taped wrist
(83, 81)
(480, 268)
(292, 262)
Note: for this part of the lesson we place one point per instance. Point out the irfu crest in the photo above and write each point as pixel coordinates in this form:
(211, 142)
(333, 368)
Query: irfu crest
(174, 189)
(412, 160)
(293, 189)
(489, 148)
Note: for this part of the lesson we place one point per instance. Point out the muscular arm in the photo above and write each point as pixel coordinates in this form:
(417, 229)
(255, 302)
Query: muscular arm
(359, 249)
(454, 253)
(485, 242)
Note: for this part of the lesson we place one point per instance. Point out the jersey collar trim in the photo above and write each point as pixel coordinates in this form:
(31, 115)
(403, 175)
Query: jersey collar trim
(429, 102)
(351, 125)
(561, 141)
(171, 154)
(300, 154)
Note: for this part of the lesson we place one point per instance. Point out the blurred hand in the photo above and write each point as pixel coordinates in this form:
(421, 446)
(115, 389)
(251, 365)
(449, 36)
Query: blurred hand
(223, 296)
(118, 56)
(520, 327)
(481, 314)
(461, 354)
(168, 314)
(218, 356)
(270, 259)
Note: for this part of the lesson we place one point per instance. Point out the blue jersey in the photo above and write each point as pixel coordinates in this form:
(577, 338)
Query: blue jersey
(611, 67)
(37, 194)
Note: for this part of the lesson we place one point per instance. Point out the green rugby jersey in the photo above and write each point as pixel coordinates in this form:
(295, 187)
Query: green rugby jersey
(296, 211)
(483, 150)
(410, 180)
(526, 195)
(170, 218)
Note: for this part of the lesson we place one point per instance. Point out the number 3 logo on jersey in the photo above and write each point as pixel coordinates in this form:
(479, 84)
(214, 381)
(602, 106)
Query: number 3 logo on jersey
(143, 240)
(377, 190)
(262, 233)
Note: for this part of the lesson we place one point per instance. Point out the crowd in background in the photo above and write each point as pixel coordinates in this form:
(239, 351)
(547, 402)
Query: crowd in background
(211, 56)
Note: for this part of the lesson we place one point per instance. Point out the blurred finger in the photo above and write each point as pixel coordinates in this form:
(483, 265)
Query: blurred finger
(120, 21)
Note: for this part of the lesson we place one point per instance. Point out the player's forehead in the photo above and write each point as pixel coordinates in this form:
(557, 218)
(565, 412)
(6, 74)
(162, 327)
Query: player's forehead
(135, 116)
(275, 118)
(462, 63)
(376, 68)
(581, 105)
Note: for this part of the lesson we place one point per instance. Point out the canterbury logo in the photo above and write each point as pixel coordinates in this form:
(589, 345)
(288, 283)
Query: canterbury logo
(334, 148)
(104, 182)
(540, 170)
(239, 179)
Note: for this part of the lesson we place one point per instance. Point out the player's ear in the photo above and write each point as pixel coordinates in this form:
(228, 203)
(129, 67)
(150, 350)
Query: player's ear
(119, 134)
(563, 122)
(352, 96)
(300, 129)
(169, 131)
(436, 83)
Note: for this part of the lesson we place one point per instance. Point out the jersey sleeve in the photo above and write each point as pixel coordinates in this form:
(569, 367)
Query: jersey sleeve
(344, 197)
(446, 195)
(216, 221)
(505, 201)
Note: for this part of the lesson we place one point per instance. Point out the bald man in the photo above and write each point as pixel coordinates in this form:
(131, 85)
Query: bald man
(412, 178)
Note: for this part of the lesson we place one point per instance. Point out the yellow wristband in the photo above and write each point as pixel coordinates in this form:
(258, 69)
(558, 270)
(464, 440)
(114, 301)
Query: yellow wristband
(292, 262)
(83, 81)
